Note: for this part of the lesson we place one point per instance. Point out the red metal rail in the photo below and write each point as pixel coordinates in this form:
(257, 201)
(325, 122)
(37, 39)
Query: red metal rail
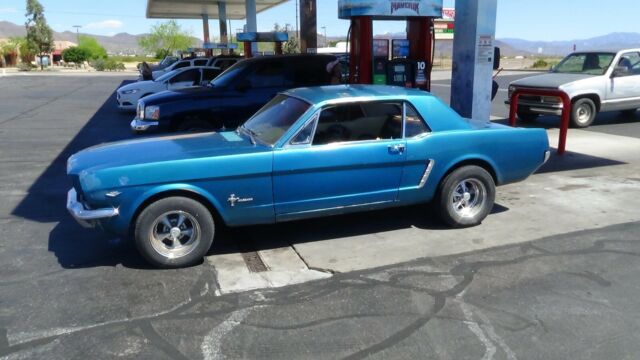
(566, 111)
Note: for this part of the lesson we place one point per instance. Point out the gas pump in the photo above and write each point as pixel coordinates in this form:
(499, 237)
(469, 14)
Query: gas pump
(380, 61)
(365, 66)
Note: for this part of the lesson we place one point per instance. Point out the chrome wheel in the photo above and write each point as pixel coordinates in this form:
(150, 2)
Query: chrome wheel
(175, 234)
(584, 114)
(467, 198)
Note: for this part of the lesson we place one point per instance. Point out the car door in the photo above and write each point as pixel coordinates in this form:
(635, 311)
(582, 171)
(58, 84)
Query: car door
(186, 78)
(354, 158)
(623, 91)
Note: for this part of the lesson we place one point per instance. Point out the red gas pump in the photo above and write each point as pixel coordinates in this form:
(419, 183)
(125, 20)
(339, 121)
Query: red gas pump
(420, 34)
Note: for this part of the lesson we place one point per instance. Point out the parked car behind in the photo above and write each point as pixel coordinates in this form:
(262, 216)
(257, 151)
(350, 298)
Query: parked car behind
(309, 152)
(232, 97)
(219, 62)
(596, 81)
(128, 95)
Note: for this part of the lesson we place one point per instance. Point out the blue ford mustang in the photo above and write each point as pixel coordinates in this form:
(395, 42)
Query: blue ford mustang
(309, 152)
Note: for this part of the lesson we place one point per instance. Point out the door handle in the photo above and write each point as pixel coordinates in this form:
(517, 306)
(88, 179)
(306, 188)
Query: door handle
(396, 149)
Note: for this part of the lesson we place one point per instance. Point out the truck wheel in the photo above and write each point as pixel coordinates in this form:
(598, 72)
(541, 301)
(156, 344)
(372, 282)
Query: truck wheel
(583, 112)
(527, 116)
(466, 196)
(174, 232)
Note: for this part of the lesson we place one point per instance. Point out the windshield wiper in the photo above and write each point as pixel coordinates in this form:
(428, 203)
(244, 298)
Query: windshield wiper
(252, 134)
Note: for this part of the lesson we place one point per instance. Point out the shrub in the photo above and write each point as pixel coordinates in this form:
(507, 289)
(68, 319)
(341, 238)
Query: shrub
(107, 65)
(76, 55)
(540, 63)
(26, 66)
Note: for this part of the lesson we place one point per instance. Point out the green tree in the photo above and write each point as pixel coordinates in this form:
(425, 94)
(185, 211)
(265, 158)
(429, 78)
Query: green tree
(92, 47)
(76, 55)
(291, 46)
(39, 34)
(165, 38)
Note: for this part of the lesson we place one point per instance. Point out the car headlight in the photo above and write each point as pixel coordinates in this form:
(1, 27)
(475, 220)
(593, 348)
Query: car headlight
(133, 91)
(152, 112)
(511, 90)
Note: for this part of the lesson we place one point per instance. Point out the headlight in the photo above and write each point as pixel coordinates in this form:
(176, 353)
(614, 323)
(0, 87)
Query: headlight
(511, 90)
(133, 91)
(152, 112)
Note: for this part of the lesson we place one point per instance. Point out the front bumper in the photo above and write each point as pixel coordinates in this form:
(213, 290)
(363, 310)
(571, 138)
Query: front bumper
(538, 107)
(87, 218)
(143, 125)
(126, 102)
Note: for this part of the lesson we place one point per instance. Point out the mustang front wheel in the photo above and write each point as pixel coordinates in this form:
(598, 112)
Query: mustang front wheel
(466, 196)
(174, 232)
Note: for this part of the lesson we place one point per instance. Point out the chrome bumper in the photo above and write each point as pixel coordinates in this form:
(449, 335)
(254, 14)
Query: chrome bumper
(83, 216)
(141, 125)
(539, 107)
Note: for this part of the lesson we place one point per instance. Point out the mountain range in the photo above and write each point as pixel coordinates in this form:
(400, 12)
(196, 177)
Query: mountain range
(128, 44)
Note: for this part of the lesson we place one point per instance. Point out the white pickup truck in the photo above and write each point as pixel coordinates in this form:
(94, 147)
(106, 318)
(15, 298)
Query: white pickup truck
(596, 81)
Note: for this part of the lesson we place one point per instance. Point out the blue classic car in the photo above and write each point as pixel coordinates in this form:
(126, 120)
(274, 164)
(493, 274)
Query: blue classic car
(309, 152)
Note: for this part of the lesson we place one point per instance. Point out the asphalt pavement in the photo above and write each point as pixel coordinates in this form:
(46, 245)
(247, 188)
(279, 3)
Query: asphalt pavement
(561, 281)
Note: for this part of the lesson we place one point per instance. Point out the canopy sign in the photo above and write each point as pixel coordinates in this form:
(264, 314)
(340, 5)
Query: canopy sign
(389, 9)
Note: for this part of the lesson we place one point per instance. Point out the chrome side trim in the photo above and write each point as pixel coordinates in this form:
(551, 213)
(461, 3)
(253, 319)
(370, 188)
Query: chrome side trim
(84, 216)
(616, 101)
(426, 174)
(337, 208)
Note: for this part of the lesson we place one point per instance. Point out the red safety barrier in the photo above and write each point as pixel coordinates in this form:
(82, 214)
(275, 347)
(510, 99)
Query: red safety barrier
(566, 111)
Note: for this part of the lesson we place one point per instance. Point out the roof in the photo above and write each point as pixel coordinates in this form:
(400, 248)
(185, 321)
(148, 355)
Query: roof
(194, 9)
(337, 93)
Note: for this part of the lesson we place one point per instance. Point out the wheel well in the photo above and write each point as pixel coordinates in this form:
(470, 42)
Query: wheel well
(183, 193)
(595, 98)
(477, 162)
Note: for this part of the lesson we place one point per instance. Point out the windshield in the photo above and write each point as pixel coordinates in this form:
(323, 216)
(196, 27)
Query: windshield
(275, 118)
(228, 75)
(166, 76)
(168, 60)
(585, 63)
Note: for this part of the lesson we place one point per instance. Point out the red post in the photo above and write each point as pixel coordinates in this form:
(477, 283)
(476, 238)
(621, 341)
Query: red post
(566, 111)
(361, 50)
(420, 45)
(247, 50)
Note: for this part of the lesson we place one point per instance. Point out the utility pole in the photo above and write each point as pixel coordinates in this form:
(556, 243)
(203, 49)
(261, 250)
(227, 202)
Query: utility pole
(325, 36)
(77, 34)
(297, 33)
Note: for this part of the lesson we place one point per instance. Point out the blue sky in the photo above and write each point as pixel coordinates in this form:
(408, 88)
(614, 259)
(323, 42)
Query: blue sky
(540, 20)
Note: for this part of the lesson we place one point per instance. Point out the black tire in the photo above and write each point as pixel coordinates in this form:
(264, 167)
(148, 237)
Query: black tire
(527, 116)
(583, 112)
(196, 125)
(478, 200)
(163, 251)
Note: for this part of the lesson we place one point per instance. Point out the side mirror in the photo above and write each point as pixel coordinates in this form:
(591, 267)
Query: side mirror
(496, 58)
(619, 71)
(243, 85)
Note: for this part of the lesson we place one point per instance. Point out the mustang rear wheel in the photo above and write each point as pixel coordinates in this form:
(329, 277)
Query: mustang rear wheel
(174, 232)
(466, 196)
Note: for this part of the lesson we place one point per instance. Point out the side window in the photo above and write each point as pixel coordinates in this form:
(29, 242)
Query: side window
(210, 74)
(182, 64)
(415, 125)
(200, 62)
(305, 135)
(314, 74)
(359, 122)
(631, 61)
(267, 74)
(192, 76)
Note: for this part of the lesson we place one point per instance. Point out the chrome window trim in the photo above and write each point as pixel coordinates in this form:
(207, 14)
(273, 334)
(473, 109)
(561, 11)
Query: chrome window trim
(313, 118)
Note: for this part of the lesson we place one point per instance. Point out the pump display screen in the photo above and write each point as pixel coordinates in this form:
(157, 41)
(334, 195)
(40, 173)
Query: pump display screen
(400, 48)
(381, 48)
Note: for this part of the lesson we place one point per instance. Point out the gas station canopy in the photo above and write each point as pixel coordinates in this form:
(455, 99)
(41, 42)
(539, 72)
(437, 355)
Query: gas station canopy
(194, 9)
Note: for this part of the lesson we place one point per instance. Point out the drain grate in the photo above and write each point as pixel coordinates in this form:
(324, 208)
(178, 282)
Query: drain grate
(251, 257)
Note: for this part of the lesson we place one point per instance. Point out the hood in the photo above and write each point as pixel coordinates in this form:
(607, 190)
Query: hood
(189, 93)
(137, 85)
(550, 80)
(160, 150)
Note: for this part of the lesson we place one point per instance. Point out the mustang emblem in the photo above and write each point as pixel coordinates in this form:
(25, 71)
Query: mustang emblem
(233, 199)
